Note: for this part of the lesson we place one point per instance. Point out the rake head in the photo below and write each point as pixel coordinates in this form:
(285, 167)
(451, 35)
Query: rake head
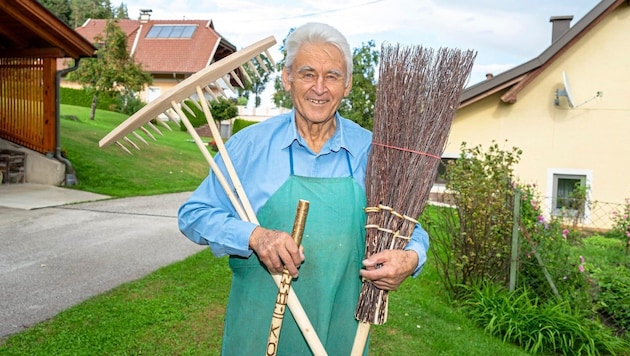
(205, 84)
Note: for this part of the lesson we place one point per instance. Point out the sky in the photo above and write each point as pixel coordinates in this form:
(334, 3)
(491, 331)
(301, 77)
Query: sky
(504, 34)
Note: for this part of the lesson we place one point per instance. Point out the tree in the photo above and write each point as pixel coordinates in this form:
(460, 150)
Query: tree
(90, 9)
(281, 97)
(113, 71)
(358, 106)
(60, 8)
(259, 81)
(121, 12)
(74, 12)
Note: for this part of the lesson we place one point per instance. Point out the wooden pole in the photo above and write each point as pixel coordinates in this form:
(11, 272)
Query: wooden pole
(283, 292)
(515, 232)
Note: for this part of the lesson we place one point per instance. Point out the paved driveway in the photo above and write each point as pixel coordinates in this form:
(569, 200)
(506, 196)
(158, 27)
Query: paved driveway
(54, 257)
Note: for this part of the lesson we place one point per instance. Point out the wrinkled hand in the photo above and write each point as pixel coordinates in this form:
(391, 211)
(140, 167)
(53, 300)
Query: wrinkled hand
(393, 267)
(276, 250)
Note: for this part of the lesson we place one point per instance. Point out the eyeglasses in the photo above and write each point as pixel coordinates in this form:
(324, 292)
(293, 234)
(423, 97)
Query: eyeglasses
(331, 78)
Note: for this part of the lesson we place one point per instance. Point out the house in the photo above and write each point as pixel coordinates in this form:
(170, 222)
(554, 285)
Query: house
(31, 41)
(170, 50)
(567, 109)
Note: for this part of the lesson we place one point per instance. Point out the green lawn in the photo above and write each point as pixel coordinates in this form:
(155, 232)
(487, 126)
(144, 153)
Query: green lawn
(170, 163)
(178, 310)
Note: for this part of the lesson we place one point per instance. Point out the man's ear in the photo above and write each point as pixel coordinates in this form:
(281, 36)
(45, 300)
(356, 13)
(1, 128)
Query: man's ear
(286, 83)
(347, 90)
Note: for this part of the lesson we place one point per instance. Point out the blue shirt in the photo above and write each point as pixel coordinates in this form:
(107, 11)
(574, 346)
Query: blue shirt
(260, 155)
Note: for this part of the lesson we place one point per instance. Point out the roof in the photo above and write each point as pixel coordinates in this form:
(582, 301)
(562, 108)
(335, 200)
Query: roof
(517, 78)
(167, 55)
(28, 29)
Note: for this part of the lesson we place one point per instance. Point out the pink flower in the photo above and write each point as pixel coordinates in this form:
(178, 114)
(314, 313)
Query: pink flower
(581, 268)
(581, 260)
(565, 232)
(541, 218)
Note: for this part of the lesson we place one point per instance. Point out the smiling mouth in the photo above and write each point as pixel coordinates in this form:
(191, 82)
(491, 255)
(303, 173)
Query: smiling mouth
(318, 101)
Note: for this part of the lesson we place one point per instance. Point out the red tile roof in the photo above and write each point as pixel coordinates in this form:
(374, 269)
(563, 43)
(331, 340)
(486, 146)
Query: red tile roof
(167, 55)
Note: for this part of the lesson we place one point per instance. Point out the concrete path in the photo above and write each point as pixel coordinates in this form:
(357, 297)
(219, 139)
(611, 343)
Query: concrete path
(55, 253)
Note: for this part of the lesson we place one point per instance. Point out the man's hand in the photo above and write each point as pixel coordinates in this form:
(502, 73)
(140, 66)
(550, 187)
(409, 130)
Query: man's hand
(276, 250)
(388, 269)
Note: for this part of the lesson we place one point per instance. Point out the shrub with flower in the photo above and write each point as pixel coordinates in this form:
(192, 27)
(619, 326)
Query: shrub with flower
(546, 262)
(621, 224)
(213, 145)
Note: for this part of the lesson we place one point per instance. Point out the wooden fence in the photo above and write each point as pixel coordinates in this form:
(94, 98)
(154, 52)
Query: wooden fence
(27, 102)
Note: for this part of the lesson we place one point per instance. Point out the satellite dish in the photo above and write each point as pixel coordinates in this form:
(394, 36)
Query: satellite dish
(566, 92)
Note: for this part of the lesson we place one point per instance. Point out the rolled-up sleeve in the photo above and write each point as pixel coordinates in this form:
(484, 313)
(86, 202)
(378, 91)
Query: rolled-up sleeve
(420, 244)
(208, 217)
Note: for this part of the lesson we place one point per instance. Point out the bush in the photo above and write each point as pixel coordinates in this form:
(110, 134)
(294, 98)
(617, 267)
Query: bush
(551, 327)
(547, 267)
(613, 297)
(83, 97)
(240, 124)
(122, 103)
(129, 103)
(472, 242)
(223, 109)
(621, 224)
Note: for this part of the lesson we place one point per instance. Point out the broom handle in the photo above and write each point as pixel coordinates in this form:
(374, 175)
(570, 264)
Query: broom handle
(281, 300)
(246, 214)
(363, 330)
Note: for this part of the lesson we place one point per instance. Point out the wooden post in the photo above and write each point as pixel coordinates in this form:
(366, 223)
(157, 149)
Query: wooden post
(515, 239)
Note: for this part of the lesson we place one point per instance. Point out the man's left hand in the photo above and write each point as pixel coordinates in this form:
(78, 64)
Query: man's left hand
(388, 269)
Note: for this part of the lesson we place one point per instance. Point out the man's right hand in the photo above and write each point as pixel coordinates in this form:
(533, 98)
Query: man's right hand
(276, 250)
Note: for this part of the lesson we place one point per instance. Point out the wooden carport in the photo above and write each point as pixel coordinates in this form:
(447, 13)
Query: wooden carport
(31, 41)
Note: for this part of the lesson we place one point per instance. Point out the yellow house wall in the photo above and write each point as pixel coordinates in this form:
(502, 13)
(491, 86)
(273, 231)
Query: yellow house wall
(590, 139)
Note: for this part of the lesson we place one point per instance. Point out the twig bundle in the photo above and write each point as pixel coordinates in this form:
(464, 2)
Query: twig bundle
(417, 96)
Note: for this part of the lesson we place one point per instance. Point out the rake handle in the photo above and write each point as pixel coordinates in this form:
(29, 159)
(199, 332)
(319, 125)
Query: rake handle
(360, 338)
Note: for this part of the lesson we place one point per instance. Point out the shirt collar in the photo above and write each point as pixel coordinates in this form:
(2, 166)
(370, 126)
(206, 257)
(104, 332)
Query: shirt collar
(335, 143)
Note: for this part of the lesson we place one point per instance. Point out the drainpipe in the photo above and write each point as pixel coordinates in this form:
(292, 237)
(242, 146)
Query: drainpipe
(71, 178)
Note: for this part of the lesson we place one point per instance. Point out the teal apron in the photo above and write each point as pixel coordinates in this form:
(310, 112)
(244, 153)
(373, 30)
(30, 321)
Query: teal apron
(329, 283)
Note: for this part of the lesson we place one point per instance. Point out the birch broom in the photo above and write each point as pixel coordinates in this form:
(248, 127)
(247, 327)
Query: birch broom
(417, 95)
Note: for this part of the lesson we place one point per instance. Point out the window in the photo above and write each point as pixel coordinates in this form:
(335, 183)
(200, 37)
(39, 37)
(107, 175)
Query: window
(563, 190)
(171, 31)
(444, 162)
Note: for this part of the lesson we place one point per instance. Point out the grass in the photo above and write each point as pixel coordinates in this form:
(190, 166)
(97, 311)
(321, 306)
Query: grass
(179, 309)
(170, 164)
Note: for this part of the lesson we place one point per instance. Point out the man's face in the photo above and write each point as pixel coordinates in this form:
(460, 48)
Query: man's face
(317, 82)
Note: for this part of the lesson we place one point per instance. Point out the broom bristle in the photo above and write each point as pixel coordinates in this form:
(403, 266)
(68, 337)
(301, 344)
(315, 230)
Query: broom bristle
(417, 96)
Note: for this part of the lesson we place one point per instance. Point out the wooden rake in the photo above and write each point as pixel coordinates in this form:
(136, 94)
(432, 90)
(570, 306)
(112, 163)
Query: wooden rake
(173, 101)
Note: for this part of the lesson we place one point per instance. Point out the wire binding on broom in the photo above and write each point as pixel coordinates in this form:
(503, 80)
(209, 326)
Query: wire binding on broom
(406, 150)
